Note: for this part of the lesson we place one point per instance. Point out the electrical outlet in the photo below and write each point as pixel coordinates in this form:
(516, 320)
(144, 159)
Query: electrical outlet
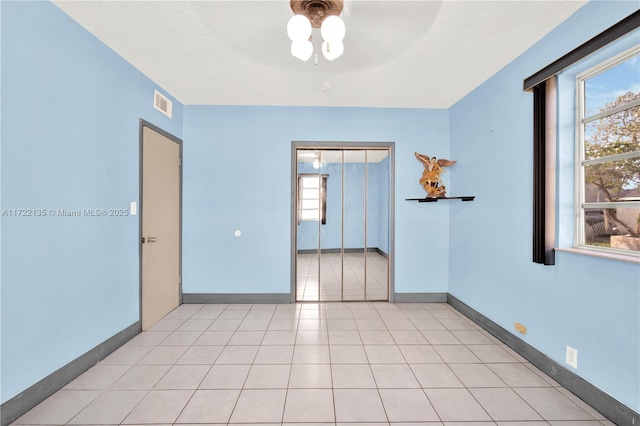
(572, 357)
(520, 328)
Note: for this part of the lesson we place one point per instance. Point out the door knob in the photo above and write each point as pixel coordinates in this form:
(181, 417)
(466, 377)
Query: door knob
(151, 239)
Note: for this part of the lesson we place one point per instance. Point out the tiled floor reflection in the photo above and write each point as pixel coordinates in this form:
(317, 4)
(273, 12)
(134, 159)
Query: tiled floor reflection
(333, 363)
(333, 278)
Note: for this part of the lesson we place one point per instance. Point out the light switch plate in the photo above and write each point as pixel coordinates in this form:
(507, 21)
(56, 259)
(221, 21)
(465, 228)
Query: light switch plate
(572, 357)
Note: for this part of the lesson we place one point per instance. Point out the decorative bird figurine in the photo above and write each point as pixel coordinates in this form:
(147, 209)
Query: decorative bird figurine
(430, 179)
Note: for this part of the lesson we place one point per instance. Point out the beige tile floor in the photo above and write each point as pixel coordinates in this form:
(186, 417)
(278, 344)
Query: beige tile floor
(353, 277)
(334, 363)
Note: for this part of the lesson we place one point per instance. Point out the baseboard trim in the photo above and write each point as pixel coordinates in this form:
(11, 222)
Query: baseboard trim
(420, 298)
(606, 405)
(380, 252)
(34, 395)
(347, 250)
(255, 298)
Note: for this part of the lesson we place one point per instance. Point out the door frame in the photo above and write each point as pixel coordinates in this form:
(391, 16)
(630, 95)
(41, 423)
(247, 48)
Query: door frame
(144, 123)
(391, 146)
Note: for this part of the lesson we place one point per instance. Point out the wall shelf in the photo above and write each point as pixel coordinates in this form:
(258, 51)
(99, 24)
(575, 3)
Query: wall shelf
(435, 199)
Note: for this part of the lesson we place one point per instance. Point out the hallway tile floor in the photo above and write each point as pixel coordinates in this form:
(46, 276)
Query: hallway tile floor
(335, 363)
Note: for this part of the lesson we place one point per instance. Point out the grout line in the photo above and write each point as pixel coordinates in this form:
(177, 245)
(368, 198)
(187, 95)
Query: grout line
(325, 316)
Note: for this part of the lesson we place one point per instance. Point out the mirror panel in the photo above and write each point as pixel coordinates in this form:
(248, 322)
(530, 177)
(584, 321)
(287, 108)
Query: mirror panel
(331, 227)
(308, 237)
(377, 260)
(354, 224)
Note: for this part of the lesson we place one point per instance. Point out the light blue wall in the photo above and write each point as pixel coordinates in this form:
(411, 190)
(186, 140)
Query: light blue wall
(383, 204)
(588, 303)
(70, 117)
(237, 175)
(353, 205)
(331, 231)
(373, 206)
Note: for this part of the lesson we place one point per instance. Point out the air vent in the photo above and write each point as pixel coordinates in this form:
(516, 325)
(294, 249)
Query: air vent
(162, 104)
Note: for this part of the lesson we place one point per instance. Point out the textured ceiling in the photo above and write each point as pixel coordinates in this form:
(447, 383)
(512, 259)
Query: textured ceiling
(339, 156)
(423, 54)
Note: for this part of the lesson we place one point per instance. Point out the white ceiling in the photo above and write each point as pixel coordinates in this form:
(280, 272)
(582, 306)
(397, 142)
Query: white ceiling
(418, 54)
(336, 156)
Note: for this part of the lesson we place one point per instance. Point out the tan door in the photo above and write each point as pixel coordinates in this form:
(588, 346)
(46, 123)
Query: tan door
(160, 226)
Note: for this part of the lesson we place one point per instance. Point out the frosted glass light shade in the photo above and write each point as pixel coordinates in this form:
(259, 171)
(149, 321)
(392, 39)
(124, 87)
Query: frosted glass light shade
(332, 50)
(302, 49)
(299, 28)
(332, 29)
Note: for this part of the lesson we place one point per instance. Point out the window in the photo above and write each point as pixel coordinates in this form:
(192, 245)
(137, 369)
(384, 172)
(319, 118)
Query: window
(608, 155)
(312, 198)
(550, 105)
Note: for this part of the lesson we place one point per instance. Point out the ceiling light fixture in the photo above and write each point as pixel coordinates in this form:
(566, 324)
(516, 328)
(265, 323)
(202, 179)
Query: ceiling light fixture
(323, 14)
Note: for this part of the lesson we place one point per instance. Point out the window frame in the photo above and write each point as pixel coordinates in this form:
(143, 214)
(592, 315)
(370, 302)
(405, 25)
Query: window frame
(580, 204)
(543, 202)
(322, 200)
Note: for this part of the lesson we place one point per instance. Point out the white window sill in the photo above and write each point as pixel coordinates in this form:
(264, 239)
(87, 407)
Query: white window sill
(600, 254)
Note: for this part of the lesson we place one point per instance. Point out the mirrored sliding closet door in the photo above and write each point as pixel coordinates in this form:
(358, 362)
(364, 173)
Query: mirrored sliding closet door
(342, 224)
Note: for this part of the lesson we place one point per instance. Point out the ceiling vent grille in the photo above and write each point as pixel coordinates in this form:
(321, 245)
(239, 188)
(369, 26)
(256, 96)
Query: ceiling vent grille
(162, 103)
